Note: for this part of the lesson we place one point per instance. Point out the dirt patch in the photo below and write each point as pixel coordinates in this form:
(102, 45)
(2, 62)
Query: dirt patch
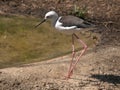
(102, 9)
(97, 70)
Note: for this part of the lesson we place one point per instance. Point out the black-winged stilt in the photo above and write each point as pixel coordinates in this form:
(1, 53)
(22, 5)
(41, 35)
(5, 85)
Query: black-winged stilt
(69, 25)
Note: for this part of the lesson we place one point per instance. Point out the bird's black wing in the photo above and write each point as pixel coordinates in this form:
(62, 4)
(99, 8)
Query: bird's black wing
(68, 21)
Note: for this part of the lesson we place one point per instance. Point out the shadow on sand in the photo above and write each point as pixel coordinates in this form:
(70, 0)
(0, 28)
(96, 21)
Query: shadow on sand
(114, 79)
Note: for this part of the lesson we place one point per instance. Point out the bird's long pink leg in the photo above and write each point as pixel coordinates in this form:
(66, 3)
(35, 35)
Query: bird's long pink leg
(73, 55)
(72, 66)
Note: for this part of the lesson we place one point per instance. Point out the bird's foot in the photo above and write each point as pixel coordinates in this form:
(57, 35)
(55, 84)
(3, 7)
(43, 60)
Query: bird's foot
(69, 75)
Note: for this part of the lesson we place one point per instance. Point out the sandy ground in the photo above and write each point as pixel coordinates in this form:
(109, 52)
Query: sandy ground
(99, 69)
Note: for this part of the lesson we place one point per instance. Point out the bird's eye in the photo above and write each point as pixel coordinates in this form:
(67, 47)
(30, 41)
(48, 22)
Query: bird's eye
(48, 17)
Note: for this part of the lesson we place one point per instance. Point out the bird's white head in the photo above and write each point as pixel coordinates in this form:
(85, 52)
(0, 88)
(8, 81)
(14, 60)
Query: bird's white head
(51, 15)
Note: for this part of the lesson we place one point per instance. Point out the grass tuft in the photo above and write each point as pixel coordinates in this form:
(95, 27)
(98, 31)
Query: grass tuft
(79, 12)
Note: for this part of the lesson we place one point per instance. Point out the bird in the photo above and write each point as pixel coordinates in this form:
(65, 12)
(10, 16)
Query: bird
(70, 25)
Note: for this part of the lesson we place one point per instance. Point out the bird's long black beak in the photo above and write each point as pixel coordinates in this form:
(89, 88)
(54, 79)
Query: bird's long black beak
(40, 23)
